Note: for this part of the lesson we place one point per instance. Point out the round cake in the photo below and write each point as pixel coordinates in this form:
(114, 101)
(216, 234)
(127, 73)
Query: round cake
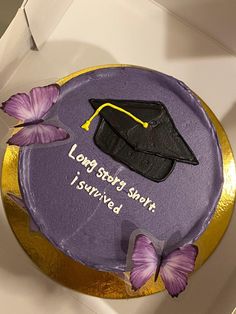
(119, 168)
(89, 192)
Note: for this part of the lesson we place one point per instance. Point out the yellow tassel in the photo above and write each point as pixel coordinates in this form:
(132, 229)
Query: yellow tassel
(86, 125)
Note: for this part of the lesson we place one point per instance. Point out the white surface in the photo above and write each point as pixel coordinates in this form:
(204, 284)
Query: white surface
(215, 17)
(135, 32)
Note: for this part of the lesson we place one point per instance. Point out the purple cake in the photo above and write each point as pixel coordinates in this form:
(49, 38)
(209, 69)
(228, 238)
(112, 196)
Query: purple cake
(148, 162)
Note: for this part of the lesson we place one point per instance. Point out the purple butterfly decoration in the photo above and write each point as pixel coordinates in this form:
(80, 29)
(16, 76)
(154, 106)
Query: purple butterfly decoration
(173, 268)
(31, 108)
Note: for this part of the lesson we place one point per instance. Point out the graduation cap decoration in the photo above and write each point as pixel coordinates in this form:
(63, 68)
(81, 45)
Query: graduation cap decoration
(140, 134)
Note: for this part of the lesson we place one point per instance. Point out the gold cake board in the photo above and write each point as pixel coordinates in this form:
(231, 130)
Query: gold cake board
(74, 275)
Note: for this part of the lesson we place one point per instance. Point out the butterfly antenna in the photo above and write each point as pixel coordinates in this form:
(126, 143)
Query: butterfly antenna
(158, 270)
(156, 274)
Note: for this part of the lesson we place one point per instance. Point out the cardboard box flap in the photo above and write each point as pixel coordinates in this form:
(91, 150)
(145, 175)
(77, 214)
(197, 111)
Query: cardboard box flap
(43, 17)
(14, 44)
(31, 26)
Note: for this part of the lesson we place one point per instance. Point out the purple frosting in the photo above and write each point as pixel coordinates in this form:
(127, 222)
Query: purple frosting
(81, 225)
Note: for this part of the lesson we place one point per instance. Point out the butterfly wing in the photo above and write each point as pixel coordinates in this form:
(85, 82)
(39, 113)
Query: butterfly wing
(38, 134)
(34, 106)
(176, 267)
(19, 107)
(42, 99)
(145, 261)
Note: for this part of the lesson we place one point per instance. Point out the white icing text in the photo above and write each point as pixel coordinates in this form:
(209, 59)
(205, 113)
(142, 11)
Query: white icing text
(91, 166)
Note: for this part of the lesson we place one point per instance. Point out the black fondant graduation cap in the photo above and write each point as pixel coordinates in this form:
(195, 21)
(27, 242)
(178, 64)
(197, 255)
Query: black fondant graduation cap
(140, 134)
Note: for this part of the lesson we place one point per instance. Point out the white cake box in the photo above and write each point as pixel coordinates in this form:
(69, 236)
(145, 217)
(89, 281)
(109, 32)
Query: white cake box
(47, 42)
